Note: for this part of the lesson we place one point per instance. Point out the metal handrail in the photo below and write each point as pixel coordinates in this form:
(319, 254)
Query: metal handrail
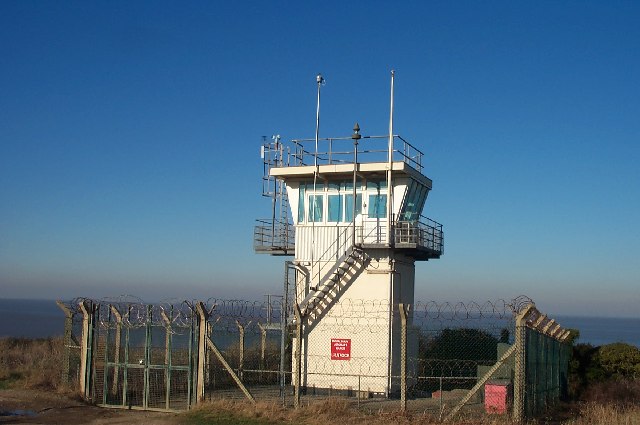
(423, 232)
(270, 234)
(403, 151)
(328, 256)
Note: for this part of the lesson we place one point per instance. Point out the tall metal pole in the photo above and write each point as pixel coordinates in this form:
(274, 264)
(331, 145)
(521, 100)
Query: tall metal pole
(355, 136)
(283, 326)
(390, 168)
(313, 206)
(320, 82)
(275, 184)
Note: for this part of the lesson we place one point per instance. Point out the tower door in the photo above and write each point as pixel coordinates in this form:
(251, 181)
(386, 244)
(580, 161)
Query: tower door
(374, 222)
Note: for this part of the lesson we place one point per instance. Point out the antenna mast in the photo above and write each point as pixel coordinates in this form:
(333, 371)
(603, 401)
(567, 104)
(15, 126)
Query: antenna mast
(390, 167)
(320, 82)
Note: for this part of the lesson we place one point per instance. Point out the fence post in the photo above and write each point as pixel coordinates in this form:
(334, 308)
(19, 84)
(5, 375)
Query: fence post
(116, 352)
(263, 344)
(519, 384)
(241, 349)
(403, 356)
(202, 337)
(298, 356)
(167, 355)
(85, 347)
(66, 350)
(283, 328)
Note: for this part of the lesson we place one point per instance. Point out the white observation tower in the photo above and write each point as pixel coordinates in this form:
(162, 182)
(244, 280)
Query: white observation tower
(349, 209)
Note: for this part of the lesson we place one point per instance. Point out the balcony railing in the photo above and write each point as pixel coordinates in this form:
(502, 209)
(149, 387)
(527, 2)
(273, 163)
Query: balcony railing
(274, 237)
(424, 233)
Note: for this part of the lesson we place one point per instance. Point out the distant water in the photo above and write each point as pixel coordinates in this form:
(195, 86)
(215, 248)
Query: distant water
(30, 318)
(43, 318)
(603, 330)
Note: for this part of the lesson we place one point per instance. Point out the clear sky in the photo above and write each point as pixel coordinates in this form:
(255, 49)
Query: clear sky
(130, 133)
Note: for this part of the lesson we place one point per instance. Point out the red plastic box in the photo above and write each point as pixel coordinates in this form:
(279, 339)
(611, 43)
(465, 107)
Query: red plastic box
(497, 396)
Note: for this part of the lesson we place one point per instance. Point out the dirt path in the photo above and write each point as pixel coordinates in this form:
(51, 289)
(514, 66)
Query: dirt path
(39, 407)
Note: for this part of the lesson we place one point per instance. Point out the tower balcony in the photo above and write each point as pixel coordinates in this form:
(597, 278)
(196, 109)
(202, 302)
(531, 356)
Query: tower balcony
(425, 236)
(422, 239)
(275, 237)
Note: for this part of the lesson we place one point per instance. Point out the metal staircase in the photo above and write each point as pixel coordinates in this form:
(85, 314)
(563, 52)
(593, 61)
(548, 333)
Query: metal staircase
(322, 296)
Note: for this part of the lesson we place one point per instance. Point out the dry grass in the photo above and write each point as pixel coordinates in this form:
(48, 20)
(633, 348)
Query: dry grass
(341, 412)
(331, 411)
(620, 392)
(30, 363)
(600, 414)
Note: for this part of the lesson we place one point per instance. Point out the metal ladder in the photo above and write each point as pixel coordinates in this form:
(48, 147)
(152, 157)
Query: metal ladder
(275, 154)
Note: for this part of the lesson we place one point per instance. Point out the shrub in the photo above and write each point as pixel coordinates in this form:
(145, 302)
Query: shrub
(619, 360)
(599, 369)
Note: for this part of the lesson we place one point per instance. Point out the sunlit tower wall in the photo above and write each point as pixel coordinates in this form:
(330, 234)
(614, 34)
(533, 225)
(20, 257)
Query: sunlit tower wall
(355, 230)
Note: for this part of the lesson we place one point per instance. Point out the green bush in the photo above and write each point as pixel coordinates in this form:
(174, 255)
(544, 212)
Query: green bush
(592, 367)
(619, 360)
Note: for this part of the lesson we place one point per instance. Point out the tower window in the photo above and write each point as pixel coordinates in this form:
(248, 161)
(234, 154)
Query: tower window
(301, 203)
(377, 207)
(335, 208)
(348, 206)
(315, 208)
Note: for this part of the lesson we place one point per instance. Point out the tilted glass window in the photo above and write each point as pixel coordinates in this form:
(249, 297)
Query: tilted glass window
(423, 197)
(414, 201)
(410, 207)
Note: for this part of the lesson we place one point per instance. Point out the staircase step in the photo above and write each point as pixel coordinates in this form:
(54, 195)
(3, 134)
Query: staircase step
(323, 294)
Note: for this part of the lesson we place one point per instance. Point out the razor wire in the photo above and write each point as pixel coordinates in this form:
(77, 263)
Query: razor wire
(173, 315)
(350, 315)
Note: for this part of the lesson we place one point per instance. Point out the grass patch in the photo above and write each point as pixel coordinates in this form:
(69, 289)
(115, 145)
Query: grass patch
(340, 412)
(9, 381)
(30, 363)
(598, 414)
(202, 417)
(331, 411)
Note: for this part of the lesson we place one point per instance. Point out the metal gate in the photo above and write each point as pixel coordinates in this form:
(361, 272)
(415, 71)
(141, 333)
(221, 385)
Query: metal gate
(144, 356)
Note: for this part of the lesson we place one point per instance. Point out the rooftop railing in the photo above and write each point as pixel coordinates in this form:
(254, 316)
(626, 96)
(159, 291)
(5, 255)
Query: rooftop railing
(340, 150)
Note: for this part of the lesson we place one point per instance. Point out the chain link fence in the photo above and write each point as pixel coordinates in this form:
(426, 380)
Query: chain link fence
(447, 359)
(125, 353)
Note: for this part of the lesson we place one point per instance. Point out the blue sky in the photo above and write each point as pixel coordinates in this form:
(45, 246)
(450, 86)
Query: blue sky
(130, 133)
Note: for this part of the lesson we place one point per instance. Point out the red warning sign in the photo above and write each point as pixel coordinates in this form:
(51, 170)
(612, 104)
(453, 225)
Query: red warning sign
(340, 349)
